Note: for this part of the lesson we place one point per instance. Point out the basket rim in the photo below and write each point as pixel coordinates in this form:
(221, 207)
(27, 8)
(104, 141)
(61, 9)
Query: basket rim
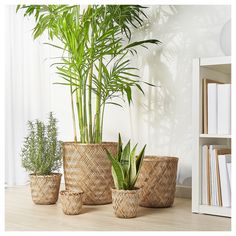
(105, 143)
(126, 191)
(71, 193)
(43, 176)
(160, 158)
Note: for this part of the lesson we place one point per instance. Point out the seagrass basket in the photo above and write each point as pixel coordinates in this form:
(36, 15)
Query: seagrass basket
(71, 202)
(125, 202)
(157, 180)
(87, 168)
(45, 188)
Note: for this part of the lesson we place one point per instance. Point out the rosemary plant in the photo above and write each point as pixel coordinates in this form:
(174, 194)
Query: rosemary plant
(95, 44)
(41, 153)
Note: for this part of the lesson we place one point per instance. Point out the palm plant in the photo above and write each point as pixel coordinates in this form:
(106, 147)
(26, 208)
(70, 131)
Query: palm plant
(94, 62)
(125, 165)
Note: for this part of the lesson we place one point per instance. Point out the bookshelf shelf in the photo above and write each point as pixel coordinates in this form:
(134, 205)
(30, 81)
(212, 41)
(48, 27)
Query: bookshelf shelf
(217, 69)
(214, 210)
(227, 136)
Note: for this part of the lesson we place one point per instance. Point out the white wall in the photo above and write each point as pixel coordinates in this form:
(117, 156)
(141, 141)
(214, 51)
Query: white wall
(162, 118)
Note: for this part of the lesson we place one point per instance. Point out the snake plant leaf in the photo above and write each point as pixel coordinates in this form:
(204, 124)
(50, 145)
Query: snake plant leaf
(117, 173)
(125, 160)
(133, 171)
(115, 179)
(139, 161)
(140, 158)
(119, 151)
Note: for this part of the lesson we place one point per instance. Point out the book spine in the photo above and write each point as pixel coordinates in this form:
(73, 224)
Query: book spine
(224, 108)
(204, 175)
(212, 108)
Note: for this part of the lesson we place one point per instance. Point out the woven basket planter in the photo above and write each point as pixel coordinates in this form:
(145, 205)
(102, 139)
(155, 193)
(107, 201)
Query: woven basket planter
(87, 168)
(157, 179)
(71, 202)
(125, 202)
(45, 188)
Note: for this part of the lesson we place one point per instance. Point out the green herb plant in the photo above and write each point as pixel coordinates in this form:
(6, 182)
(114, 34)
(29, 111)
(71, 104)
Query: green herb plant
(41, 153)
(95, 64)
(126, 165)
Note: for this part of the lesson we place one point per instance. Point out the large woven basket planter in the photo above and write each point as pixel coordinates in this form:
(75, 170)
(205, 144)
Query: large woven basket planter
(125, 202)
(72, 202)
(87, 168)
(45, 188)
(157, 179)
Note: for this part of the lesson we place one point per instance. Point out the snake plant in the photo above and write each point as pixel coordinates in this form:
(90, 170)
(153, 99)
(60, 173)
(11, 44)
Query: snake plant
(126, 165)
(95, 43)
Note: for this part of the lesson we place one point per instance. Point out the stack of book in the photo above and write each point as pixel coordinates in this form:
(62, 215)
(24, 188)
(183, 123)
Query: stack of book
(216, 175)
(216, 107)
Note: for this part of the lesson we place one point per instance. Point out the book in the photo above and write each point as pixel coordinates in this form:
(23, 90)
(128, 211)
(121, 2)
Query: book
(224, 179)
(212, 108)
(229, 173)
(213, 179)
(215, 184)
(205, 83)
(204, 175)
(224, 108)
(208, 177)
(217, 153)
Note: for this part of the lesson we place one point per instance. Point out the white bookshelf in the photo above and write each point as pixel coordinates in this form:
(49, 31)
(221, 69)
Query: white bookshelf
(219, 69)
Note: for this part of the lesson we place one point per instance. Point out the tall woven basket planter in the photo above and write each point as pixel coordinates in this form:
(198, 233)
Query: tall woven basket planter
(87, 168)
(125, 202)
(45, 188)
(157, 179)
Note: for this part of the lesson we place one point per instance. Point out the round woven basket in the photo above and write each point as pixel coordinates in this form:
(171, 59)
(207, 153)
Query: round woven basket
(157, 179)
(45, 188)
(125, 202)
(71, 202)
(87, 168)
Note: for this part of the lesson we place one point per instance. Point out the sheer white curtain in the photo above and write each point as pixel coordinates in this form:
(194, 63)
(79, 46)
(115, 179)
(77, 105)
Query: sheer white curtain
(28, 85)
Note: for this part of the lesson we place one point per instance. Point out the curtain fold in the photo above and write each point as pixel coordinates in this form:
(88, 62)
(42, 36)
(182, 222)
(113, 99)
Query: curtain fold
(27, 86)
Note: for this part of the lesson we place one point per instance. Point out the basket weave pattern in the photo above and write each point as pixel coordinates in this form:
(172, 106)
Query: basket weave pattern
(71, 202)
(125, 203)
(45, 188)
(87, 168)
(157, 179)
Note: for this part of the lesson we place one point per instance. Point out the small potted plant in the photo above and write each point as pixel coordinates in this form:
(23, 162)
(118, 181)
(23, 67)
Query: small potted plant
(41, 157)
(125, 170)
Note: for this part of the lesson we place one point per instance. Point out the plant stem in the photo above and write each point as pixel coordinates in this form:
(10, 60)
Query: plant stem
(103, 110)
(73, 111)
(90, 105)
(91, 139)
(98, 104)
(85, 113)
(80, 113)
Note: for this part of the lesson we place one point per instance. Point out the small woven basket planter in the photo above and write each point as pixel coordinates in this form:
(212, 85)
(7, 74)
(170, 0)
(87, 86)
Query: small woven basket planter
(71, 202)
(45, 188)
(157, 179)
(125, 202)
(87, 168)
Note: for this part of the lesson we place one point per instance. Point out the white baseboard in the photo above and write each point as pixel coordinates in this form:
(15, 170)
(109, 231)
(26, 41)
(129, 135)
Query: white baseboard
(183, 191)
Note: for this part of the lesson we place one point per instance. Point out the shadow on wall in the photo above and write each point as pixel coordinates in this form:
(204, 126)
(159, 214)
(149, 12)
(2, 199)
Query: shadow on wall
(164, 116)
